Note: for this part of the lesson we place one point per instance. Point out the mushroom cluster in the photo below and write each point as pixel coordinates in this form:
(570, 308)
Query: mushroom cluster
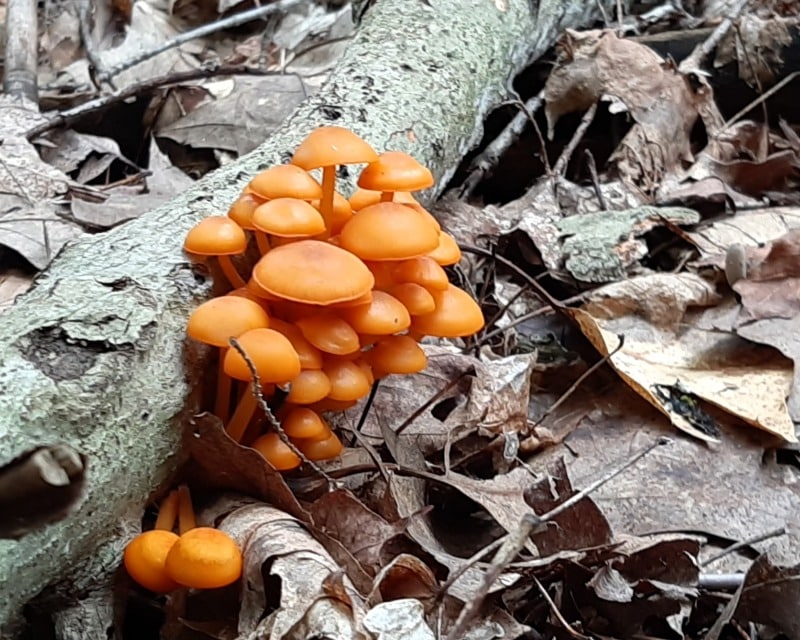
(341, 295)
(200, 557)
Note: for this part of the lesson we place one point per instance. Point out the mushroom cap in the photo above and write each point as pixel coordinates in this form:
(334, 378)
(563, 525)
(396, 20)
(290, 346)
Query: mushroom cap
(342, 212)
(329, 333)
(364, 197)
(383, 316)
(144, 560)
(288, 218)
(456, 315)
(276, 452)
(325, 449)
(218, 320)
(397, 354)
(308, 387)
(395, 171)
(327, 146)
(271, 353)
(389, 231)
(310, 356)
(348, 379)
(416, 298)
(285, 181)
(423, 270)
(301, 422)
(204, 558)
(215, 236)
(241, 211)
(448, 252)
(313, 272)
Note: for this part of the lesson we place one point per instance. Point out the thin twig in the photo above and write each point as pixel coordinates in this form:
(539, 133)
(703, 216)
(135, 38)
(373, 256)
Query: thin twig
(537, 288)
(561, 164)
(567, 626)
(367, 405)
(95, 64)
(579, 381)
(529, 316)
(514, 543)
(598, 191)
(272, 420)
(594, 486)
(554, 512)
(427, 404)
(695, 59)
(764, 96)
(780, 531)
(487, 160)
(69, 116)
(231, 21)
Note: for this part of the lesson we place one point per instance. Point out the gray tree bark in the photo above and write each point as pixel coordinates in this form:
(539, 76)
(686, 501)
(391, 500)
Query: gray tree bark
(94, 356)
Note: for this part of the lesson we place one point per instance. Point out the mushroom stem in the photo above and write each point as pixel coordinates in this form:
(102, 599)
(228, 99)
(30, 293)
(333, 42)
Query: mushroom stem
(168, 512)
(186, 518)
(387, 196)
(262, 242)
(230, 272)
(222, 402)
(328, 187)
(241, 417)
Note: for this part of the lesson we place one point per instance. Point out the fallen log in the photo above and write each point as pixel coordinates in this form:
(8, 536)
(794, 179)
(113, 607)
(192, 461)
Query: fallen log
(94, 358)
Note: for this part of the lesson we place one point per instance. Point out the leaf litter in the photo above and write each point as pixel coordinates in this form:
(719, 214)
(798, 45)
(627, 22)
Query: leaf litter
(454, 506)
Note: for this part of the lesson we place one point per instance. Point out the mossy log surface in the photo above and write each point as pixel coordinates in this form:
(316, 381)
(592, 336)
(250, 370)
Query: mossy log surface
(94, 355)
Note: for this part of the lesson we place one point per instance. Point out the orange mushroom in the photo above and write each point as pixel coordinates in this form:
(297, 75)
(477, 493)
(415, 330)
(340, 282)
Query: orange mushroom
(308, 387)
(456, 315)
(389, 231)
(384, 315)
(329, 333)
(325, 449)
(145, 556)
(348, 380)
(364, 197)
(221, 237)
(215, 322)
(274, 359)
(204, 558)
(340, 213)
(423, 270)
(395, 171)
(416, 298)
(276, 452)
(288, 218)
(325, 148)
(397, 354)
(313, 272)
(301, 422)
(285, 181)
(448, 251)
(241, 212)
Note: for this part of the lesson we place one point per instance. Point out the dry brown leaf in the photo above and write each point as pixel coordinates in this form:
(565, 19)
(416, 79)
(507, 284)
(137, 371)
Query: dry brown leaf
(341, 516)
(745, 380)
(491, 396)
(747, 157)
(749, 228)
(127, 202)
(598, 64)
(287, 568)
(242, 116)
(725, 490)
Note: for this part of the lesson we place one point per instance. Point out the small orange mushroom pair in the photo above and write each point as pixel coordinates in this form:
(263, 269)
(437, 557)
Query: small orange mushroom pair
(200, 558)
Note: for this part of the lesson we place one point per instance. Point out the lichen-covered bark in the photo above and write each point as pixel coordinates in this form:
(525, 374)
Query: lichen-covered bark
(94, 355)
